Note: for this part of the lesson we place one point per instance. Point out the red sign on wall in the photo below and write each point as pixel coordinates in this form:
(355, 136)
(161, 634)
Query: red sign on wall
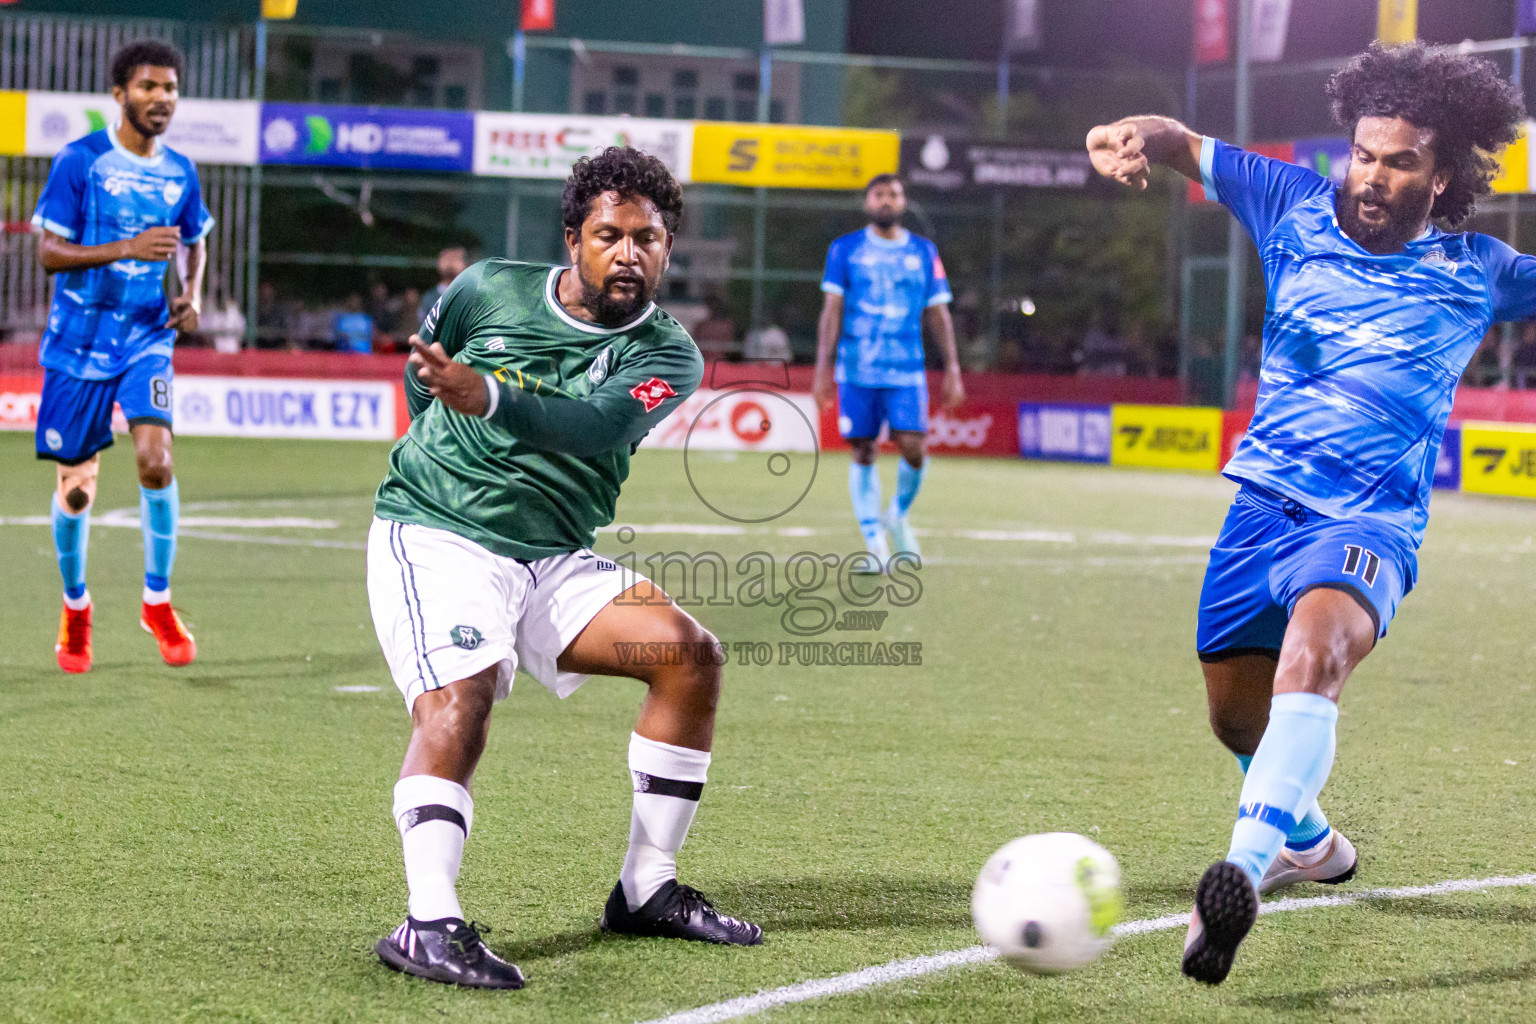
(538, 15)
(1210, 31)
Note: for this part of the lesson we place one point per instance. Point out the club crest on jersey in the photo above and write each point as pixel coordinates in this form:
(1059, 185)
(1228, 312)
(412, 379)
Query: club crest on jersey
(467, 637)
(598, 371)
(652, 393)
(1438, 259)
(173, 190)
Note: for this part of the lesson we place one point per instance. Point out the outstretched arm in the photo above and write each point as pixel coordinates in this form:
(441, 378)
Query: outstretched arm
(1126, 150)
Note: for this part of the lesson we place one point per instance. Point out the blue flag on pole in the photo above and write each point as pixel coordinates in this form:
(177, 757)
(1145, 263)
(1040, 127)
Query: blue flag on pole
(1525, 17)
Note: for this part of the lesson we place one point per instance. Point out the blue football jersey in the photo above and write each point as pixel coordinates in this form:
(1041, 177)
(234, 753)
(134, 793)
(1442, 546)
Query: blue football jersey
(1362, 353)
(886, 285)
(97, 192)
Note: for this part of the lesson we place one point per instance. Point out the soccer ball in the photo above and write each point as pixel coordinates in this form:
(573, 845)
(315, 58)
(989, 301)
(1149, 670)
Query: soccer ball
(1048, 902)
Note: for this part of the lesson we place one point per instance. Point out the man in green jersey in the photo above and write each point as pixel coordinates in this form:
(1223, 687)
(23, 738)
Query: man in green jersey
(530, 386)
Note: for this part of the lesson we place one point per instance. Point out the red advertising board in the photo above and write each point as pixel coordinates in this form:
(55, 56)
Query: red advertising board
(979, 427)
(1210, 24)
(538, 15)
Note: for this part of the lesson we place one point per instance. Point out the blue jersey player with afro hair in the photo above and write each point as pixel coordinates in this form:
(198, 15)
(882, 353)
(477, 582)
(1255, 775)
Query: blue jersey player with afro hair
(1373, 312)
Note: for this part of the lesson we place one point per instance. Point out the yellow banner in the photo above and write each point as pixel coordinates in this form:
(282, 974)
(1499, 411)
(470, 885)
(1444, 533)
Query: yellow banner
(1397, 21)
(1165, 437)
(781, 156)
(1498, 458)
(279, 9)
(13, 123)
(1514, 164)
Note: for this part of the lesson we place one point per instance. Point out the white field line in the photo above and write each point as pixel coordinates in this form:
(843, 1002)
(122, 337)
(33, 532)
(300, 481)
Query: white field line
(131, 522)
(898, 970)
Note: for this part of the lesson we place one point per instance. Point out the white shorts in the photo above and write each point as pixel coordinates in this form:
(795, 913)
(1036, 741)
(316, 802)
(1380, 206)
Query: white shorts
(445, 608)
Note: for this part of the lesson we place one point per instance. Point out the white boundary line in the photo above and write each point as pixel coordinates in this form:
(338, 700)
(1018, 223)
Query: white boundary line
(897, 970)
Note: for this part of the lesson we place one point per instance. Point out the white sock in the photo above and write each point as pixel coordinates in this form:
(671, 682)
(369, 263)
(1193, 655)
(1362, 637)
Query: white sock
(75, 604)
(157, 596)
(434, 816)
(668, 782)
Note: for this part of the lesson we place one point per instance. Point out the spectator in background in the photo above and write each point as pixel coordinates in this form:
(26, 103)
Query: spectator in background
(224, 326)
(769, 342)
(450, 264)
(1522, 365)
(716, 333)
(271, 318)
(352, 330)
(1104, 351)
(384, 310)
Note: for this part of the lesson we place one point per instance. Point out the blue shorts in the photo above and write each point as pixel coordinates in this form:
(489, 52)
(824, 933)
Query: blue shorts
(74, 419)
(861, 411)
(1273, 550)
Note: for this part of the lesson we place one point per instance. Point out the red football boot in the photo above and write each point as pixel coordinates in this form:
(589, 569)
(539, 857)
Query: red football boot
(74, 645)
(176, 645)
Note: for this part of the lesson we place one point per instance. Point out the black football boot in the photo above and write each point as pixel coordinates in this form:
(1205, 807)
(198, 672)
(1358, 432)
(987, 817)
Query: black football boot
(1226, 905)
(677, 912)
(450, 951)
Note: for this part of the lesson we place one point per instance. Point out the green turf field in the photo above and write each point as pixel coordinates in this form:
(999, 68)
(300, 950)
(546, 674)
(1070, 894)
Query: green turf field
(214, 843)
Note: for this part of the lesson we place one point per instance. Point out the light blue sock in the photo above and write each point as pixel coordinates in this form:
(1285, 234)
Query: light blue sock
(909, 481)
(158, 513)
(1284, 777)
(71, 540)
(1313, 827)
(864, 488)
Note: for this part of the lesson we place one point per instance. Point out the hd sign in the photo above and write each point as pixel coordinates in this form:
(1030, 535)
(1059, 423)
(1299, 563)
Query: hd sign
(379, 138)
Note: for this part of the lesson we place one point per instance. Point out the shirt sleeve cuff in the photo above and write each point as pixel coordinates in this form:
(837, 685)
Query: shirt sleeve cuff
(207, 227)
(831, 289)
(940, 299)
(493, 389)
(1207, 168)
(44, 224)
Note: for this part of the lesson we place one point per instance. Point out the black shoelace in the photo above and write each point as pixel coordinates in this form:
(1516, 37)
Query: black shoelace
(469, 939)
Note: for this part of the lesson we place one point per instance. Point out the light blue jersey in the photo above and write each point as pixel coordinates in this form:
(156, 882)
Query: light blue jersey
(105, 318)
(886, 285)
(1362, 353)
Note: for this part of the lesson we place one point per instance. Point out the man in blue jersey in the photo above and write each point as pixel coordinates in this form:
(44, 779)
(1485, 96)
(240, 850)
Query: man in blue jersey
(1373, 313)
(116, 206)
(884, 288)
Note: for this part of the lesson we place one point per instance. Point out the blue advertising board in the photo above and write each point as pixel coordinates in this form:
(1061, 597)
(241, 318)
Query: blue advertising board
(1074, 433)
(1328, 155)
(373, 138)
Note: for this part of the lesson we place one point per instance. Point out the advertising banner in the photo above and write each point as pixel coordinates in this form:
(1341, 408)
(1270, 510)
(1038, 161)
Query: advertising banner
(1448, 462)
(546, 145)
(1166, 437)
(1210, 31)
(1267, 31)
(951, 163)
(1397, 21)
(13, 122)
(783, 156)
(207, 131)
(20, 395)
(1498, 458)
(538, 15)
(382, 138)
(747, 419)
(1073, 433)
(1328, 155)
(340, 410)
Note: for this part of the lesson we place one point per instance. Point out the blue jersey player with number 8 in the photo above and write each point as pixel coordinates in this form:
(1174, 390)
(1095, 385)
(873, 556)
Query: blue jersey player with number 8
(1373, 313)
(116, 207)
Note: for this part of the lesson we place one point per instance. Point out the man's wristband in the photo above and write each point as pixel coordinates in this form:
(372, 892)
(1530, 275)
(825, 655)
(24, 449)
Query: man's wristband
(493, 389)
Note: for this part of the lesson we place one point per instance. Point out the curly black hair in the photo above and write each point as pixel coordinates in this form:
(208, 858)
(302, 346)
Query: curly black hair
(153, 52)
(630, 173)
(1472, 111)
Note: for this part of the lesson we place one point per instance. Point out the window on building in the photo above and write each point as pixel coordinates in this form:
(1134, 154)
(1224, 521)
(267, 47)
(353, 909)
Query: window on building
(776, 111)
(714, 108)
(626, 76)
(744, 81)
(455, 97)
(684, 107)
(685, 78)
(595, 102)
(655, 105)
(746, 110)
(623, 103)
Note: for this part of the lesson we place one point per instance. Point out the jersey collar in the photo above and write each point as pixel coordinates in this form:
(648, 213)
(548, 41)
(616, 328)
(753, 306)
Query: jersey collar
(582, 325)
(156, 155)
(902, 238)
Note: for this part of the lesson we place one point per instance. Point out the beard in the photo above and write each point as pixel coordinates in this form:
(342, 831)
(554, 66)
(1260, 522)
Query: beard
(884, 218)
(138, 116)
(610, 310)
(1405, 218)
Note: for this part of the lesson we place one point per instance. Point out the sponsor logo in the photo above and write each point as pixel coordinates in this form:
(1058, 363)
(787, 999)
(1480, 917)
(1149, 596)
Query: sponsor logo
(598, 371)
(935, 155)
(53, 439)
(1437, 258)
(496, 344)
(1498, 459)
(606, 566)
(652, 393)
(467, 637)
(1167, 437)
(750, 422)
(956, 433)
(197, 407)
(280, 135)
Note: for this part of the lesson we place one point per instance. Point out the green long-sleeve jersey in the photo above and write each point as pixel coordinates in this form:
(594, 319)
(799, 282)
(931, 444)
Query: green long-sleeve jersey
(541, 471)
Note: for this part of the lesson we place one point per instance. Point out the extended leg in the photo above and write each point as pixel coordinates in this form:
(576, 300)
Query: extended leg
(909, 480)
(864, 489)
(159, 510)
(71, 518)
(669, 756)
(434, 813)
